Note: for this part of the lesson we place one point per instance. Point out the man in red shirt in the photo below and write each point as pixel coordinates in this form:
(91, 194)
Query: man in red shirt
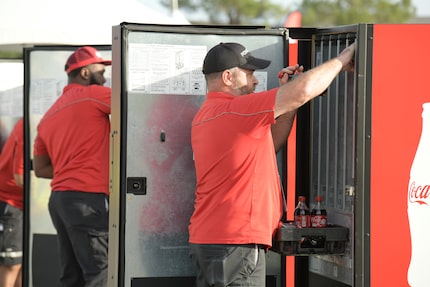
(11, 204)
(235, 136)
(72, 148)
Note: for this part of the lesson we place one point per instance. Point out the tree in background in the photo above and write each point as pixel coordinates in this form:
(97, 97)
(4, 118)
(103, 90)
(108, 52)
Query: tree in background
(235, 12)
(315, 13)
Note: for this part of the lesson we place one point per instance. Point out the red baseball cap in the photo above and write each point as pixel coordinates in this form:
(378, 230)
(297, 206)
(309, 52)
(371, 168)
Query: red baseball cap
(84, 56)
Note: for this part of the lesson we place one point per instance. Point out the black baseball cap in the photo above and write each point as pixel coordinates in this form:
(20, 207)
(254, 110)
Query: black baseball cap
(229, 55)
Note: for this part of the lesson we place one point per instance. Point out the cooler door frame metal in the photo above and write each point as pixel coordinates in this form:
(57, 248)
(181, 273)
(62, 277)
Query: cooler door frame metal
(119, 269)
(44, 80)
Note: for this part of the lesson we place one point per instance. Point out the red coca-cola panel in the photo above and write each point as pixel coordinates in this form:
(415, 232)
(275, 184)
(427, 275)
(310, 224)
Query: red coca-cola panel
(400, 85)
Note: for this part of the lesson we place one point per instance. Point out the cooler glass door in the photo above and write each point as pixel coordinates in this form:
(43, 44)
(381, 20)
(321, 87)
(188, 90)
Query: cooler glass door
(44, 81)
(158, 87)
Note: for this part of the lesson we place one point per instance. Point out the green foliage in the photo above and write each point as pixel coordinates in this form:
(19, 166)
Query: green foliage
(320, 13)
(10, 55)
(237, 12)
(315, 13)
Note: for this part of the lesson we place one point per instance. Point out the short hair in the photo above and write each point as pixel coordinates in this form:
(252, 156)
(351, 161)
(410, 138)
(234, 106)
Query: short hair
(75, 72)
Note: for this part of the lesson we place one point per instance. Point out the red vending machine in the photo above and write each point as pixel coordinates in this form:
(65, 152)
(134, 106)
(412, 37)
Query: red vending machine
(356, 147)
(399, 248)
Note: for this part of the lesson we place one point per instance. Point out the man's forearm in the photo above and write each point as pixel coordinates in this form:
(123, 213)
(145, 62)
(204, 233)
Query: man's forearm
(281, 129)
(44, 172)
(18, 179)
(42, 166)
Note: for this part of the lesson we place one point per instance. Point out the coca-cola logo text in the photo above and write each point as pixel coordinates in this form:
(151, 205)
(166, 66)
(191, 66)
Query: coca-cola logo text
(419, 193)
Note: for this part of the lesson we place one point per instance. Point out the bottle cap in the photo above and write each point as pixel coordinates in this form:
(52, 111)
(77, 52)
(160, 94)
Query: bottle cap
(302, 198)
(318, 198)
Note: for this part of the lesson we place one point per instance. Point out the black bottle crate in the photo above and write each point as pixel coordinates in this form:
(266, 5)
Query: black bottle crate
(293, 241)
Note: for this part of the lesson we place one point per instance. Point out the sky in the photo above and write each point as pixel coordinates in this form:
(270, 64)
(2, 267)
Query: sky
(422, 6)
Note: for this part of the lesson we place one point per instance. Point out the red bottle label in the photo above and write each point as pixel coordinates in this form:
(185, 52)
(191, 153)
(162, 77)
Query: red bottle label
(319, 221)
(302, 220)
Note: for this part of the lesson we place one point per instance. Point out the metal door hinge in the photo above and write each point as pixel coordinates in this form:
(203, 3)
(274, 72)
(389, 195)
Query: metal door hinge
(349, 190)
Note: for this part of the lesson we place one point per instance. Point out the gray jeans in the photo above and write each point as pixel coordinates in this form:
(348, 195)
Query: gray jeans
(82, 222)
(229, 265)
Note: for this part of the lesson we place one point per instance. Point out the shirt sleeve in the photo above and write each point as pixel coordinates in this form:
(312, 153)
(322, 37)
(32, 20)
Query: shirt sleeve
(103, 96)
(39, 147)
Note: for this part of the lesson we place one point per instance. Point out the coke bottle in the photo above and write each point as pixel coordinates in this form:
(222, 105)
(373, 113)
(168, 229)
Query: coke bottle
(318, 213)
(419, 207)
(302, 216)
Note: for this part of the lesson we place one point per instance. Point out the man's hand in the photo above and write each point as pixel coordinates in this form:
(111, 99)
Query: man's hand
(347, 58)
(287, 73)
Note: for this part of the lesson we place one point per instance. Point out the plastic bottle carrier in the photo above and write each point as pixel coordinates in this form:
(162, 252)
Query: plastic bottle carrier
(291, 240)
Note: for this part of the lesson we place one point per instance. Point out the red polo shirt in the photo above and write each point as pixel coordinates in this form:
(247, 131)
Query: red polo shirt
(74, 132)
(238, 196)
(12, 162)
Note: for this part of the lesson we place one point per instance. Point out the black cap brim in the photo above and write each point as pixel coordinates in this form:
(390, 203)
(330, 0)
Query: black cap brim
(255, 63)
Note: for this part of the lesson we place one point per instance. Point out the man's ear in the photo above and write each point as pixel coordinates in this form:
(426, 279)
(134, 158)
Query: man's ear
(85, 73)
(227, 77)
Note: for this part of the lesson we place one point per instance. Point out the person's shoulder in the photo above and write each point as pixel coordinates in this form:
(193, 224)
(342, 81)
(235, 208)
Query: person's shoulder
(260, 95)
(99, 88)
(98, 91)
